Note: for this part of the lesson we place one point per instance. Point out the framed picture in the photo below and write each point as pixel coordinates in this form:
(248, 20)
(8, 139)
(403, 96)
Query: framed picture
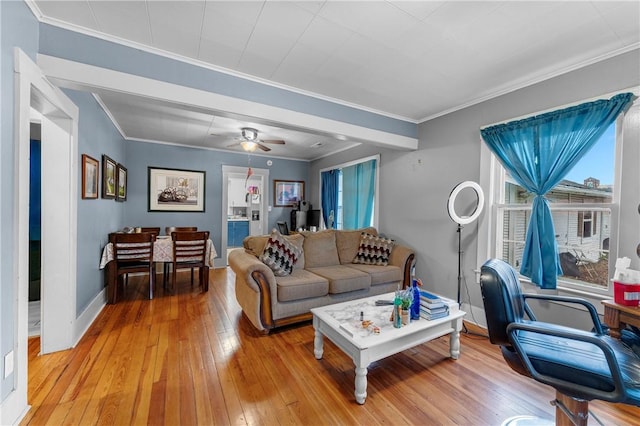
(121, 183)
(90, 175)
(109, 177)
(174, 190)
(287, 192)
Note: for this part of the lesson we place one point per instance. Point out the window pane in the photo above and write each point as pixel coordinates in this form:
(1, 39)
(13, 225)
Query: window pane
(584, 260)
(590, 180)
(596, 169)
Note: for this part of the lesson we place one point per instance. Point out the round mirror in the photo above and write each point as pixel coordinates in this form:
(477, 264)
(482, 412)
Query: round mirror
(451, 205)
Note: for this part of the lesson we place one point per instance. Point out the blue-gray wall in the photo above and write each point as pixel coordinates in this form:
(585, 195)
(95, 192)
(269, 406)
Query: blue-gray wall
(18, 27)
(96, 218)
(141, 155)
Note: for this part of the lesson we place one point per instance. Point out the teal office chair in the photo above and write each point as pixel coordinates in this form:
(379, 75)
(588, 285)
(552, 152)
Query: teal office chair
(580, 365)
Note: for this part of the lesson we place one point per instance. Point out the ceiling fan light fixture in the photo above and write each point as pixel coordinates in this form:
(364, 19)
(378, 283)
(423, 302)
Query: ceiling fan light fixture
(249, 146)
(249, 134)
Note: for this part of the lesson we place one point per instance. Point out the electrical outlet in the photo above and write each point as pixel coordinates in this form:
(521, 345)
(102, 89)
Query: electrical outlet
(8, 364)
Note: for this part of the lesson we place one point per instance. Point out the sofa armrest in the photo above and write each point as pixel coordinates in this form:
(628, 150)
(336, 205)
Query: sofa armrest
(402, 257)
(255, 287)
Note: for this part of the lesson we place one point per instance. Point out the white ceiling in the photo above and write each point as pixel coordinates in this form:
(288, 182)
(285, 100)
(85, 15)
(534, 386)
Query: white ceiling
(406, 59)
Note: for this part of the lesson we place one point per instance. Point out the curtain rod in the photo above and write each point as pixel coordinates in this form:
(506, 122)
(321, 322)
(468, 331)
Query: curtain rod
(634, 90)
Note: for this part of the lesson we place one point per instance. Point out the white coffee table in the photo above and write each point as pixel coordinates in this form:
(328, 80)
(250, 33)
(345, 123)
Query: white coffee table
(341, 324)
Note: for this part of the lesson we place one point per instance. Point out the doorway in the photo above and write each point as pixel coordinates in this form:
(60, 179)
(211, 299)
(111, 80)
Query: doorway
(35, 264)
(245, 206)
(59, 128)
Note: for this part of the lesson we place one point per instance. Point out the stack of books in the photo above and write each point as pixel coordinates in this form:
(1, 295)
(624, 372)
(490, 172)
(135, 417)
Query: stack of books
(432, 307)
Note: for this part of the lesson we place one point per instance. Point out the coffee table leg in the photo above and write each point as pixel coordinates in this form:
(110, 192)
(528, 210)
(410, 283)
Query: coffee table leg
(361, 385)
(454, 339)
(318, 345)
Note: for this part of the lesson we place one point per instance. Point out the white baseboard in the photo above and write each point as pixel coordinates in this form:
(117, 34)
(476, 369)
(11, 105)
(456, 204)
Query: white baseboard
(14, 408)
(86, 318)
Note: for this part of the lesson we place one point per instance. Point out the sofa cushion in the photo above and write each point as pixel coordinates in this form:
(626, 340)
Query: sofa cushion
(255, 245)
(348, 243)
(279, 254)
(343, 279)
(320, 249)
(373, 250)
(380, 274)
(301, 284)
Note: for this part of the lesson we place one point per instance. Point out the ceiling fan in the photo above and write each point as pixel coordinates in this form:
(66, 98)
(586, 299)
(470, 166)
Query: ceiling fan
(249, 141)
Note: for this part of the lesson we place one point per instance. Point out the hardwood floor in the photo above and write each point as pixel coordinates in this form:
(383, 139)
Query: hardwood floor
(191, 358)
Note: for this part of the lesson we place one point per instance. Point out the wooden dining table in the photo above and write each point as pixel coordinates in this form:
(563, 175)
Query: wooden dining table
(162, 253)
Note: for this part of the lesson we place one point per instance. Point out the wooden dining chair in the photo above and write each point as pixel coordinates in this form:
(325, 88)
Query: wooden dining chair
(153, 230)
(133, 253)
(190, 251)
(168, 230)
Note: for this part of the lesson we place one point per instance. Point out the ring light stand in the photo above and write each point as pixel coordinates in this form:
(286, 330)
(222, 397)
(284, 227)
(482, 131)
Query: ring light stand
(463, 220)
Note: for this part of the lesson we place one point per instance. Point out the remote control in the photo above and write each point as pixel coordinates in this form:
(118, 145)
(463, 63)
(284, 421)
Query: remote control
(384, 302)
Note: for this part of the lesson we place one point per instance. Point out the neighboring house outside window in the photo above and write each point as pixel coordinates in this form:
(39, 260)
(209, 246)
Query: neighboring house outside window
(582, 235)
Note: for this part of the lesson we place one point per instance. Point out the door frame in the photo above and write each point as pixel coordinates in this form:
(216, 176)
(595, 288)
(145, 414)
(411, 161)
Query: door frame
(235, 171)
(58, 305)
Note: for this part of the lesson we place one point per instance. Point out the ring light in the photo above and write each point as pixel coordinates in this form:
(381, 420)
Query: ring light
(465, 220)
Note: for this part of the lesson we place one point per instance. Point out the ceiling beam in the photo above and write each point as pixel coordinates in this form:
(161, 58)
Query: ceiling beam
(79, 76)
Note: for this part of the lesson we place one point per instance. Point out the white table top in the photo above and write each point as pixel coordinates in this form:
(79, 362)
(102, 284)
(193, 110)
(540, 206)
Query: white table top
(345, 318)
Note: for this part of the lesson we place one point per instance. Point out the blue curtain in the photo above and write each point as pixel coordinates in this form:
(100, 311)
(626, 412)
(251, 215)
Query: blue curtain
(538, 152)
(358, 190)
(329, 191)
(35, 190)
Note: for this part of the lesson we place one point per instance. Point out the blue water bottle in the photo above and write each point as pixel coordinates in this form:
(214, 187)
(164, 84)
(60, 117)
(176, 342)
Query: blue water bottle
(415, 304)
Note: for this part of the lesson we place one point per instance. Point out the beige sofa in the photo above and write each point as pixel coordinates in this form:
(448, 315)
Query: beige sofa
(324, 274)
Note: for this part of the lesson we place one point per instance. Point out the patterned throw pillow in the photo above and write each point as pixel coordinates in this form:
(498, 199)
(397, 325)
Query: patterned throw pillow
(279, 254)
(373, 250)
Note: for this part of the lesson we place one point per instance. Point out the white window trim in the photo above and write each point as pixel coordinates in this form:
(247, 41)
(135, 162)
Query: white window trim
(376, 197)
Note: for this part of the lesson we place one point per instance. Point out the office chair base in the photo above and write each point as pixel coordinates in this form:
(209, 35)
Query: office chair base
(571, 411)
(527, 421)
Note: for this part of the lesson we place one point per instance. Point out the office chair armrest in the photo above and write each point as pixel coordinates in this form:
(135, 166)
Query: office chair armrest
(567, 299)
(618, 392)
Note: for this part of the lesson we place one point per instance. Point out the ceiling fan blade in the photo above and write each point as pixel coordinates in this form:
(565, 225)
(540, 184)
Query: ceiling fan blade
(264, 148)
(273, 141)
(233, 144)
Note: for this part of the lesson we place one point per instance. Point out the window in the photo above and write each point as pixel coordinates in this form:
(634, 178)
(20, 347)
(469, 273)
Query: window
(585, 207)
(356, 195)
(587, 224)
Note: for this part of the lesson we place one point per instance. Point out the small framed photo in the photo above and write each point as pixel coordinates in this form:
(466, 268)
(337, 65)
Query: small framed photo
(121, 183)
(174, 190)
(286, 193)
(109, 177)
(90, 176)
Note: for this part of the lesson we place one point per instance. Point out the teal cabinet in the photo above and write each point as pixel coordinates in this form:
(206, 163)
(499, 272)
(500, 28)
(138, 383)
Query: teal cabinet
(237, 230)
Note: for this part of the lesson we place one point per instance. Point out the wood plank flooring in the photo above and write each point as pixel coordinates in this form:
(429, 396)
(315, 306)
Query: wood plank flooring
(191, 358)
